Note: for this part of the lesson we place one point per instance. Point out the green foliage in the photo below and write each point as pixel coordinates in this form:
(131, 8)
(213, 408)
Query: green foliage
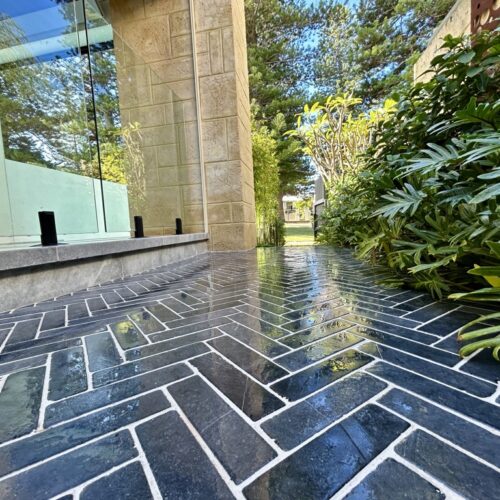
(270, 229)
(429, 192)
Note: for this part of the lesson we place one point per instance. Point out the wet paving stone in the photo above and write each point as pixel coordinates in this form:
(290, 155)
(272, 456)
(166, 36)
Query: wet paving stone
(127, 482)
(483, 365)
(146, 322)
(24, 330)
(399, 480)
(53, 319)
(43, 445)
(86, 402)
(249, 396)
(260, 326)
(459, 431)
(76, 311)
(448, 323)
(102, 352)
(70, 469)
(20, 403)
(179, 465)
(298, 423)
(144, 365)
(307, 381)
(324, 465)
(15, 366)
(262, 369)
(319, 350)
(316, 333)
(267, 316)
(456, 400)
(38, 349)
(236, 445)
(162, 313)
(127, 334)
(450, 377)
(316, 318)
(460, 472)
(424, 351)
(67, 373)
(258, 342)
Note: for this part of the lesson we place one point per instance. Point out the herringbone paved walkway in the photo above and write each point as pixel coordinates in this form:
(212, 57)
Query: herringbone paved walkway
(283, 374)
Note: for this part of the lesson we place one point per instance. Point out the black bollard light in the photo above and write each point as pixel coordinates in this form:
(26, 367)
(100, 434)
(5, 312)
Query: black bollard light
(139, 226)
(48, 228)
(178, 226)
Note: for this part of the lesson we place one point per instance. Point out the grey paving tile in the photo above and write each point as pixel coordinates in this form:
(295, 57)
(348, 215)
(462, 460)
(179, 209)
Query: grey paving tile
(114, 393)
(70, 469)
(96, 304)
(259, 367)
(253, 339)
(456, 400)
(179, 465)
(307, 381)
(298, 423)
(43, 445)
(146, 322)
(38, 349)
(319, 350)
(250, 397)
(321, 468)
(259, 325)
(53, 319)
(483, 365)
(24, 330)
(68, 375)
(188, 329)
(20, 403)
(78, 310)
(15, 366)
(127, 482)
(461, 473)
(315, 319)
(463, 433)
(316, 333)
(237, 445)
(127, 334)
(144, 365)
(443, 374)
(448, 323)
(401, 482)
(102, 352)
(162, 313)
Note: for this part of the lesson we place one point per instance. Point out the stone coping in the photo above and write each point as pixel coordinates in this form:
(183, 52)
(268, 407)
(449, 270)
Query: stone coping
(21, 258)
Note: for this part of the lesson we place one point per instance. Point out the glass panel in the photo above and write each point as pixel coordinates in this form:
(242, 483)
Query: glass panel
(146, 112)
(48, 160)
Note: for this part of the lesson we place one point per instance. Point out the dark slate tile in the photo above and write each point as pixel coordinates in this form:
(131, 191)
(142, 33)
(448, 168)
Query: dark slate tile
(392, 478)
(127, 334)
(205, 318)
(111, 298)
(307, 381)
(266, 306)
(133, 368)
(324, 465)
(53, 319)
(315, 319)
(179, 465)
(38, 349)
(463, 403)
(259, 325)
(211, 308)
(461, 473)
(186, 330)
(24, 330)
(293, 426)
(22, 364)
(102, 352)
(315, 333)
(78, 310)
(440, 373)
(20, 403)
(256, 312)
(463, 433)
(71, 469)
(424, 351)
(236, 445)
(448, 323)
(407, 333)
(176, 305)
(168, 345)
(96, 304)
(186, 298)
(430, 311)
(358, 310)
(88, 401)
(322, 307)
(127, 482)
(483, 365)
(262, 369)
(146, 322)
(67, 373)
(319, 350)
(260, 343)
(250, 397)
(162, 313)
(43, 445)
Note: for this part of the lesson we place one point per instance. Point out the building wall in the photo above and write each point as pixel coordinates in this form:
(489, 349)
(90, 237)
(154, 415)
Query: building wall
(178, 94)
(456, 23)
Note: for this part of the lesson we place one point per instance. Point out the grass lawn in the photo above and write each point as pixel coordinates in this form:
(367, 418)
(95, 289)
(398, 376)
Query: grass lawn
(299, 233)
